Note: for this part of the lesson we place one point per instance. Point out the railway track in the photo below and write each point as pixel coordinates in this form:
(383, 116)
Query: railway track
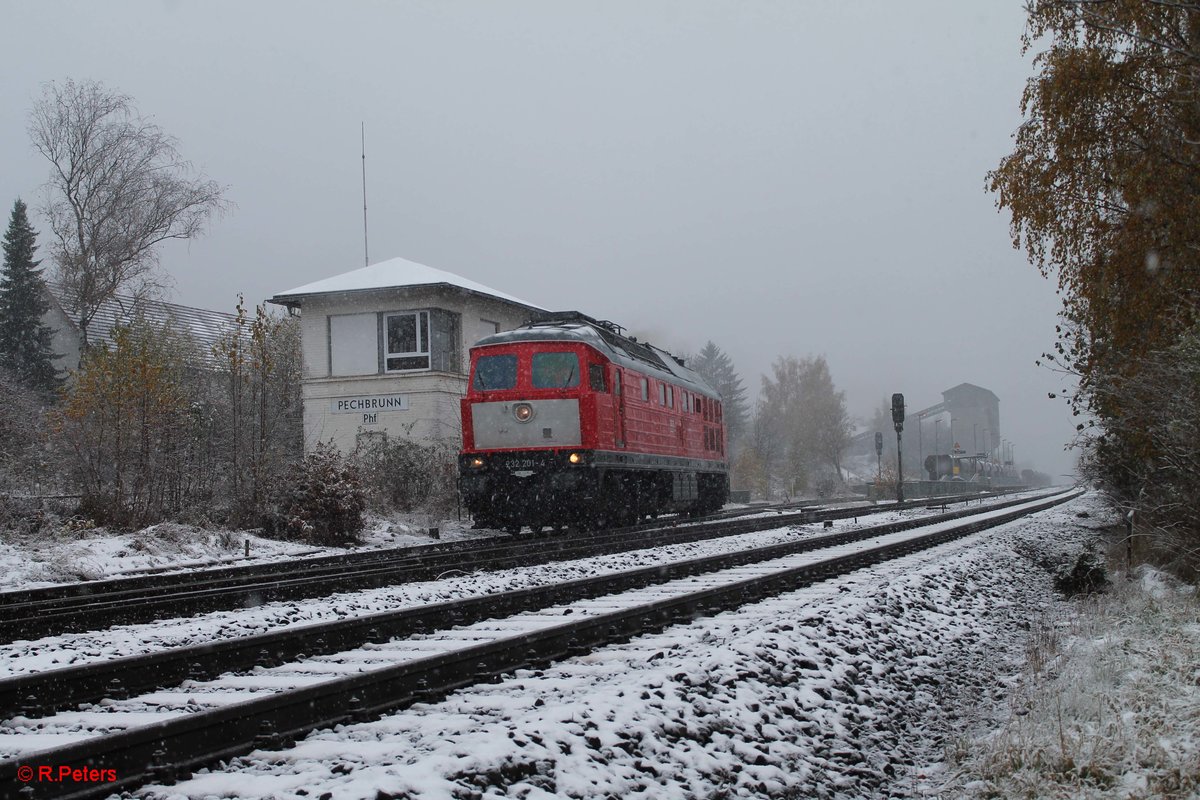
(31, 614)
(163, 734)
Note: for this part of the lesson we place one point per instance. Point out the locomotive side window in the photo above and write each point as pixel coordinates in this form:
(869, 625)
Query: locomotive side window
(555, 370)
(495, 372)
(662, 394)
(407, 340)
(596, 378)
(616, 381)
(646, 390)
(670, 397)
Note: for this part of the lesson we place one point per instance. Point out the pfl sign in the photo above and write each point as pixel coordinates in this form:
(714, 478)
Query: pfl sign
(898, 411)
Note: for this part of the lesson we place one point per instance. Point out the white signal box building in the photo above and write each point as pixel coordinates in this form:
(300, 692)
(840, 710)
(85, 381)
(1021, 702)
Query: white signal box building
(385, 350)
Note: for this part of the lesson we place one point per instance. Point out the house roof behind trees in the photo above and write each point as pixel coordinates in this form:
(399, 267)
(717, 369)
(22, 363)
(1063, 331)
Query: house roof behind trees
(203, 326)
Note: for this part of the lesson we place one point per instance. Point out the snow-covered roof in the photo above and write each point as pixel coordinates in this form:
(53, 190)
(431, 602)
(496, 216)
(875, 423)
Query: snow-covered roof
(390, 274)
(205, 327)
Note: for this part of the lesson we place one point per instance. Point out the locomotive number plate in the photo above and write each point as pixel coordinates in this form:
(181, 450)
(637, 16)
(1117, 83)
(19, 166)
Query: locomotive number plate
(522, 463)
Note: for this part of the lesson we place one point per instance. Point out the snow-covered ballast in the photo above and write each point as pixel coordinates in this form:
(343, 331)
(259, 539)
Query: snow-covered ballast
(568, 421)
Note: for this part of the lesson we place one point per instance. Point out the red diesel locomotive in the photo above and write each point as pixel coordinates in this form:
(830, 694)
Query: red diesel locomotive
(568, 422)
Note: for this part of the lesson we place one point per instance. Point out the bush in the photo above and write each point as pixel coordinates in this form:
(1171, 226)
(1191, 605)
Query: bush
(401, 475)
(27, 461)
(1146, 455)
(321, 499)
(1087, 576)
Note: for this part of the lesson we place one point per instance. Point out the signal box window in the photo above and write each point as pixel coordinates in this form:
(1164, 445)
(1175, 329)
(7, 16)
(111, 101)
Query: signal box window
(495, 372)
(407, 340)
(596, 378)
(555, 370)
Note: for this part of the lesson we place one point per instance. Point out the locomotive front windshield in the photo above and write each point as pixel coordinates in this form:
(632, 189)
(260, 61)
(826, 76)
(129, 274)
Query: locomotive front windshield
(555, 370)
(495, 372)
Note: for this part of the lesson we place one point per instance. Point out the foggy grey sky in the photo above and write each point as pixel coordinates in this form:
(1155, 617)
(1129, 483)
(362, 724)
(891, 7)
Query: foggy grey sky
(779, 177)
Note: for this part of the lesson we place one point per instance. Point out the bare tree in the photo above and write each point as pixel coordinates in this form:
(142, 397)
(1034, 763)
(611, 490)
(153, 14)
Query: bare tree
(118, 188)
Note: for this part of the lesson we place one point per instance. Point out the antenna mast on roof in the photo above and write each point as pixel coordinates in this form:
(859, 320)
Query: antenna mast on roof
(366, 255)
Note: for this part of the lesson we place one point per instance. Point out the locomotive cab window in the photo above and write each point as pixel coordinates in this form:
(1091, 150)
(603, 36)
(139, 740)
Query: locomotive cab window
(495, 372)
(596, 378)
(555, 370)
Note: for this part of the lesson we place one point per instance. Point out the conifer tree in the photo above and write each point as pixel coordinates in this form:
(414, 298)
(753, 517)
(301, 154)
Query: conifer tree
(716, 367)
(25, 346)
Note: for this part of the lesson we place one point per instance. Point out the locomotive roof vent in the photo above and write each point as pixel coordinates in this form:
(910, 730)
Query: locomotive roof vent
(554, 317)
(610, 332)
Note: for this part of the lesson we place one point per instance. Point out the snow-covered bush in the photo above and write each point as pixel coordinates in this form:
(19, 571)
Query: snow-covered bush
(402, 475)
(1146, 455)
(321, 499)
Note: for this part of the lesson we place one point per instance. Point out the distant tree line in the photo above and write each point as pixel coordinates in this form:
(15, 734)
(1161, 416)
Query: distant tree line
(794, 440)
(1103, 189)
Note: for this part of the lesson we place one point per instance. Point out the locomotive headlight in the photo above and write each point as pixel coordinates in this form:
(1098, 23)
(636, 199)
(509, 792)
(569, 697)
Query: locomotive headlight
(522, 412)
(476, 462)
(575, 458)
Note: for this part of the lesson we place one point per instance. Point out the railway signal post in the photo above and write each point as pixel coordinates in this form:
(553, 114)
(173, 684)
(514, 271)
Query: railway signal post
(898, 421)
(878, 458)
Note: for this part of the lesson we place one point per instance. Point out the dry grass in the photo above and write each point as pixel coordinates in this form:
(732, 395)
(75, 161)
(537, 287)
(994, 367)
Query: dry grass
(1108, 706)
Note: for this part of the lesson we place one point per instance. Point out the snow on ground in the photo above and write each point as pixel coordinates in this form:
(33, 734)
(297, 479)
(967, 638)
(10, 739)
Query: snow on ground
(70, 555)
(74, 649)
(1109, 705)
(853, 688)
